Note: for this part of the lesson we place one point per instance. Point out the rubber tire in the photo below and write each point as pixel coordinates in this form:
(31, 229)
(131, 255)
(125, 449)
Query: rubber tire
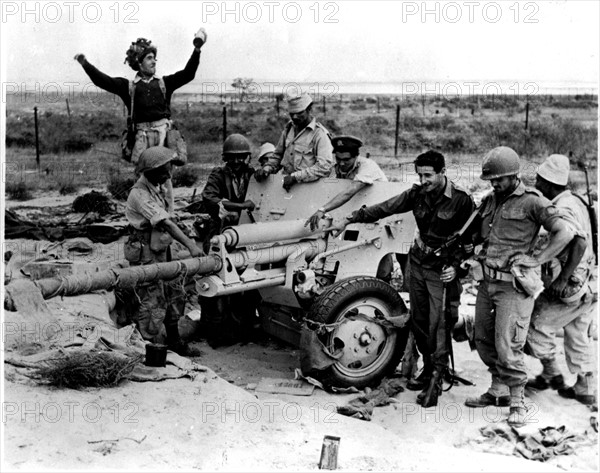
(329, 306)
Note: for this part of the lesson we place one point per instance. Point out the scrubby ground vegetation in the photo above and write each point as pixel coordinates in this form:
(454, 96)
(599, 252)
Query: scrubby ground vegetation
(80, 148)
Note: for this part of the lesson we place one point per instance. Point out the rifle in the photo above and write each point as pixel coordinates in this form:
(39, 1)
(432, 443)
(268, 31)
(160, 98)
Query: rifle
(592, 213)
(434, 388)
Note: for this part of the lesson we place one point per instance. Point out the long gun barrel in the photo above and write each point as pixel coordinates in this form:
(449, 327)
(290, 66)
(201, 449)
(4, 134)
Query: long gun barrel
(121, 278)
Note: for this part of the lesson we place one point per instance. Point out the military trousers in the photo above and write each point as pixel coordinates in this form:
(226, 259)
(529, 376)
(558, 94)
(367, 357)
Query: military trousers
(161, 303)
(428, 324)
(551, 315)
(502, 316)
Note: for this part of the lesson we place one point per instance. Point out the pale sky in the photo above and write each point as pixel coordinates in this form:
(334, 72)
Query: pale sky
(555, 43)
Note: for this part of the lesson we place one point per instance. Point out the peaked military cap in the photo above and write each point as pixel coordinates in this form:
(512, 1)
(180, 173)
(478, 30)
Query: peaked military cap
(346, 143)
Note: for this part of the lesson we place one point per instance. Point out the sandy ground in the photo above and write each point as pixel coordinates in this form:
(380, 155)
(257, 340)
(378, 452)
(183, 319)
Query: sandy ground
(217, 422)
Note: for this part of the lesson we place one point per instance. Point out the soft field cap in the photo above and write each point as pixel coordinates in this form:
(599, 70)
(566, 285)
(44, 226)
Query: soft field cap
(265, 148)
(299, 103)
(555, 169)
(154, 157)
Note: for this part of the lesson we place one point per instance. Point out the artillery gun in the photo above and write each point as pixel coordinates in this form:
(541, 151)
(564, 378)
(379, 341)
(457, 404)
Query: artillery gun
(309, 281)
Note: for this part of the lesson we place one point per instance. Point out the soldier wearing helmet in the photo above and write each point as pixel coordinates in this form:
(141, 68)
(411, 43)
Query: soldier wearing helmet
(304, 150)
(507, 226)
(224, 195)
(148, 96)
(149, 211)
(223, 199)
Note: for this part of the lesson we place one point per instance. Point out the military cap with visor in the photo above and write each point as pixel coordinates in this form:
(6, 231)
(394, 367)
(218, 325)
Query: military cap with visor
(346, 143)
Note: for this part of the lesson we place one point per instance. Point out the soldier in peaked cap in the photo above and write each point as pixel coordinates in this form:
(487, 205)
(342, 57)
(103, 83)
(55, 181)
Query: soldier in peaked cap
(348, 165)
(304, 148)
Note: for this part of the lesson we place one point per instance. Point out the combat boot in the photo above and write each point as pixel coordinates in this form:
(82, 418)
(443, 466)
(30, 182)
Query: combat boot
(584, 389)
(517, 416)
(496, 395)
(421, 381)
(549, 378)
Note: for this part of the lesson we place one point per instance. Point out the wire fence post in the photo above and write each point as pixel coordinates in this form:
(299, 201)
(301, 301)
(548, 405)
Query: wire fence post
(527, 114)
(397, 130)
(37, 138)
(324, 107)
(224, 122)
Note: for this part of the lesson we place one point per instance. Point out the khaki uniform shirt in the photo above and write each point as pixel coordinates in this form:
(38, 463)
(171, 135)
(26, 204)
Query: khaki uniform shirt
(148, 205)
(510, 227)
(365, 170)
(576, 216)
(306, 156)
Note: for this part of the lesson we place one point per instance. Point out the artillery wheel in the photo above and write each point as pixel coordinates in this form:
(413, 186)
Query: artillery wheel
(370, 350)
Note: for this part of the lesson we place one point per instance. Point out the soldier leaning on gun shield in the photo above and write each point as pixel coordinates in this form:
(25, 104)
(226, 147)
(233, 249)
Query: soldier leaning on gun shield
(441, 209)
(304, 148)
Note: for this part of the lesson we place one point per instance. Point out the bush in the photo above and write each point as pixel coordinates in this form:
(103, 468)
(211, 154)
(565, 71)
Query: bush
(184, 176)
(118, 184)
(18, 190)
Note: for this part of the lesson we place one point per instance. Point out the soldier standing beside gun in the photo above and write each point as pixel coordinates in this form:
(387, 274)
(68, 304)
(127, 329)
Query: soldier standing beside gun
(150, 106)
(567, 302)
(149, 212)
(441, 209)
(304, 148)
(507, 227)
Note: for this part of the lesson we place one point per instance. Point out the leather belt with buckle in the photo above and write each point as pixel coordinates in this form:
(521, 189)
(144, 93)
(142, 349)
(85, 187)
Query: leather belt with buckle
(423, 247)
(497, 274)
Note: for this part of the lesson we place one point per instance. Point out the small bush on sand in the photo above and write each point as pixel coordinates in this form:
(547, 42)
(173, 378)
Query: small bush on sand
(87, 369)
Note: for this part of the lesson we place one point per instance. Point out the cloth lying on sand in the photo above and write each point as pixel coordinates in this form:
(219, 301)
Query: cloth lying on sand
(534, 444)
(362, 407)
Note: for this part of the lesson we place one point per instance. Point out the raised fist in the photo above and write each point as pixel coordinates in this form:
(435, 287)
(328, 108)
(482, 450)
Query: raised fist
(80, 58)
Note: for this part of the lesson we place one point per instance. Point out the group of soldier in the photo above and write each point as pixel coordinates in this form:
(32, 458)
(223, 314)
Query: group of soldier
(514, 316)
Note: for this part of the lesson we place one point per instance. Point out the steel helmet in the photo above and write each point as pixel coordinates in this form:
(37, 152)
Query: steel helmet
(154, 157)
(236, 144)
(499, 162)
